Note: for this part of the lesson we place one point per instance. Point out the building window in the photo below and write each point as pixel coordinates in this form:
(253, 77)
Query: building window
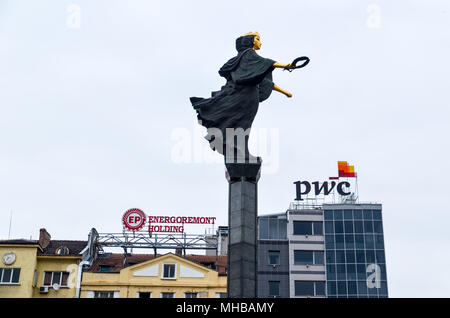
(302, 228)
(272, 228)
(103, 294)
(190, 295)
(274, 258)
(320, 288)
(221, 295)
(308, 257)
(209, 265)
(308, 228)
(9, 275)
(306, 288)
(169, 271)
(317, 228)
(106, 268)
(319, 257)
(303, 257)
(167, 295)
(378, 227)
(144, 295)
(62, 250)
(348, 214)
(274, 289)
(60, 278)
(328, 215)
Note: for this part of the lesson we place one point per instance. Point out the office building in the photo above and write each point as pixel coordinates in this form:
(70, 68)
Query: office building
(328, 250)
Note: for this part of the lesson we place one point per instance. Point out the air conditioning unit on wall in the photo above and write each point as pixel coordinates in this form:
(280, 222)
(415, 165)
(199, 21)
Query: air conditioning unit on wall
(43, 290)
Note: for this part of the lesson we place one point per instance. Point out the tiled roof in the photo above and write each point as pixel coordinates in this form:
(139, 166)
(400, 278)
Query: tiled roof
(116, 261)
(75, 247)
(19, 242)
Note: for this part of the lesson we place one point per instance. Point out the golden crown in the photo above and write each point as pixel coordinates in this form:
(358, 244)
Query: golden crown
(252, 33)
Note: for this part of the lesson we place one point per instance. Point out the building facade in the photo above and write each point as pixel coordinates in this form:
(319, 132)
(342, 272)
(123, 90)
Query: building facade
(355, 255)
(47, 268)
(163, 276)
(332, 250)
(306, 253)
(273, 257)
(41, 268)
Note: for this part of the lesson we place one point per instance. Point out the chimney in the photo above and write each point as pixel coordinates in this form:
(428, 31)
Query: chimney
(178, 252)
(44, 238)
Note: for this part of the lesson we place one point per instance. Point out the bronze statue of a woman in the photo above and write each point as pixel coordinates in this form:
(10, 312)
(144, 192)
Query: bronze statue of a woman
(228, 115)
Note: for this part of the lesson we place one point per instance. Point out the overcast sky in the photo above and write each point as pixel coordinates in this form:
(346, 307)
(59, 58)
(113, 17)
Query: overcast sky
(94, 112)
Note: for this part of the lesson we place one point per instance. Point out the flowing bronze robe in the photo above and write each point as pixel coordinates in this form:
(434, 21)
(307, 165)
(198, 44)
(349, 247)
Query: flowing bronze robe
(249, 82)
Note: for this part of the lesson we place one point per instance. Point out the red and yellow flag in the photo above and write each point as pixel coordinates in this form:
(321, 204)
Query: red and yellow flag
(345, 170)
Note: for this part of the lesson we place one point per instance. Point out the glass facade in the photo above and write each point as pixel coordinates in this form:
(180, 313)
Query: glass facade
(335, 251)
(354, 252)
(272, 228)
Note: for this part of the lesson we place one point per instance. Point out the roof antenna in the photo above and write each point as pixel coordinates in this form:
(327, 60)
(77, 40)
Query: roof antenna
(10, 220)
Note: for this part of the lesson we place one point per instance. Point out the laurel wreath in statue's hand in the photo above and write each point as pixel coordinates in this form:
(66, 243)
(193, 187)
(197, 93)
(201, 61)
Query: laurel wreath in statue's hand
(294, 65)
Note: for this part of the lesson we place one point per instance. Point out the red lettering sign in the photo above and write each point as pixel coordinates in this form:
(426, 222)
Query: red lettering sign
(134, 220)
(166, 229)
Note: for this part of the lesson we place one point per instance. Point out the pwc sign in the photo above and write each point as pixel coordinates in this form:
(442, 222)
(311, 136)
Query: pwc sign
(303, 188)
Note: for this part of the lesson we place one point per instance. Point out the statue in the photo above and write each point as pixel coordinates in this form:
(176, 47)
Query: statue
(228, 115)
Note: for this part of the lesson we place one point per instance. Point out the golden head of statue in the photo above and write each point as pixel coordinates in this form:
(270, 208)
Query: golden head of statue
(256, 40)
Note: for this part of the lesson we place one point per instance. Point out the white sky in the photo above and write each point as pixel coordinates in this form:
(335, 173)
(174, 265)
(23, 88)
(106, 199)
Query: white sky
(88, 114)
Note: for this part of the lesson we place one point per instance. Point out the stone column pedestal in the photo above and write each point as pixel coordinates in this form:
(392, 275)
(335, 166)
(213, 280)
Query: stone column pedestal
(242, 217)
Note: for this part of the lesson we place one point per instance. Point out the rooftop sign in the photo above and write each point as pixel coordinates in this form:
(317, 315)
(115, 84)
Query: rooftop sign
(135, 219)
(303, 188)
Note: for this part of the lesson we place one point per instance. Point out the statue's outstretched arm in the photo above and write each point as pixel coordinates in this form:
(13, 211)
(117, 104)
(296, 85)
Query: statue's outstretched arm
(275, 87)
(278, 89)
(276, 64)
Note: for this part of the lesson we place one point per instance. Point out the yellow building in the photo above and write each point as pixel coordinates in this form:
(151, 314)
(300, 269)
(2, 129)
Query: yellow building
(40, 268)
(164, 276)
